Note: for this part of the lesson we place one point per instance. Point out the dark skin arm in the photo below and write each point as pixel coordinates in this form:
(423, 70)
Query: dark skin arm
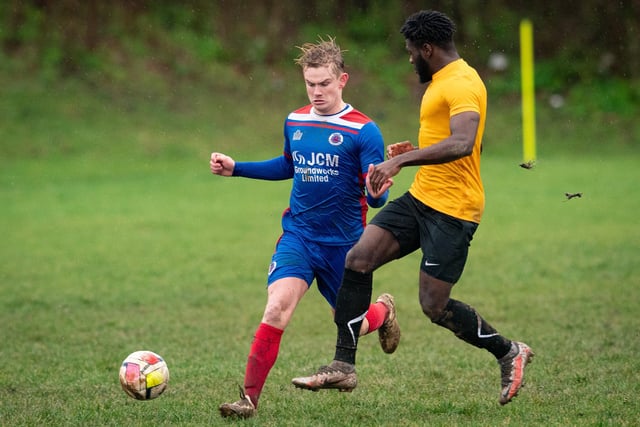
(464, 127)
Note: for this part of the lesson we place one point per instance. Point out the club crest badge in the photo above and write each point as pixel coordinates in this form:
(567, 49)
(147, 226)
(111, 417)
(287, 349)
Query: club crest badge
(272, 267)
(336, 138)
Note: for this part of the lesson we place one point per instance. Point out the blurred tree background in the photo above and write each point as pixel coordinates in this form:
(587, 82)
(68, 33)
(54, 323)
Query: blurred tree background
(144, 46)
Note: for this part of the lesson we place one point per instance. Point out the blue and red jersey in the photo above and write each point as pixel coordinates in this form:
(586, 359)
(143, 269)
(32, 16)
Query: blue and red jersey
(328, 158)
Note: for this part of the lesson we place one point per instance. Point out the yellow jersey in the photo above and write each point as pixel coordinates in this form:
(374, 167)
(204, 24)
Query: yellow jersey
(454, 188)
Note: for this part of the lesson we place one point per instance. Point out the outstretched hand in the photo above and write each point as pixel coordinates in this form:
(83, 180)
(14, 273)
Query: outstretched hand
(399, 148)
(221, 164)
(376, 182)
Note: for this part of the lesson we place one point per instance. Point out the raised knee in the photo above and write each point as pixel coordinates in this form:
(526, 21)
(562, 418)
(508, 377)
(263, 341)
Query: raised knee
(358, 260)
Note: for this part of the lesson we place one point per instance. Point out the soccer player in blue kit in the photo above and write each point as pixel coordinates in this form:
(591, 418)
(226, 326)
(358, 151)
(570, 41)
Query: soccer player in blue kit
(328, 147)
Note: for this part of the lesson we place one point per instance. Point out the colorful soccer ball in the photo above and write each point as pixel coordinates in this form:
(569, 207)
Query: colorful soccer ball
(144, 375)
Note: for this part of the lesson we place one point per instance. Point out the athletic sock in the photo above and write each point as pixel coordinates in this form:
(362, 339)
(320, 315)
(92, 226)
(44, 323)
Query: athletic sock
(470, 327)
(376, 315)
(262, 356)
(354, 298)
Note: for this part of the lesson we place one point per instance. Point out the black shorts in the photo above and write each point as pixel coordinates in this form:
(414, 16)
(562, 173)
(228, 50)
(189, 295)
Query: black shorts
(444, 240)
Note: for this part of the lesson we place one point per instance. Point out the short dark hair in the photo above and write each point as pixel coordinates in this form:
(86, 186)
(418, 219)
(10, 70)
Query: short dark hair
(429, 26)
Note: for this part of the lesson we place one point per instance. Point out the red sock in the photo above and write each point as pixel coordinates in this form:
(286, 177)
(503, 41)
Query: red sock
(262, 356)
(376, 315)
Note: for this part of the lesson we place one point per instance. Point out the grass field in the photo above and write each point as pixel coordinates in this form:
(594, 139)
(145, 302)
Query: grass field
(117, 238)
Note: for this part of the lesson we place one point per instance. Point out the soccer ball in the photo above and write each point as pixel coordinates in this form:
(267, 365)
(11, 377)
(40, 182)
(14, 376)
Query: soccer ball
(144, 375)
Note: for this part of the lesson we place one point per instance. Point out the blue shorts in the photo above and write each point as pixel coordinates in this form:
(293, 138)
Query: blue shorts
(295, 257)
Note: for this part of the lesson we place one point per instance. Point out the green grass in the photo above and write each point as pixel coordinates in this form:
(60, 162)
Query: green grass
(117, 238)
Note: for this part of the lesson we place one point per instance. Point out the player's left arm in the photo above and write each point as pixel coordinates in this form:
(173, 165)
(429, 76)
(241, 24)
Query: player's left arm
(464, 127)
(372, 153)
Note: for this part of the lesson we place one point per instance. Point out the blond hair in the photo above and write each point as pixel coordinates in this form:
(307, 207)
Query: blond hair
(320, 54)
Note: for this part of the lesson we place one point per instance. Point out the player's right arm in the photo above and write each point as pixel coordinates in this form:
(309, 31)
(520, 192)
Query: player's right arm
(275, 169)
(221, 164)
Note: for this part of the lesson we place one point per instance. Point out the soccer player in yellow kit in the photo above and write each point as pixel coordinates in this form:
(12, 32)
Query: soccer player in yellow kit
(438, 215)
